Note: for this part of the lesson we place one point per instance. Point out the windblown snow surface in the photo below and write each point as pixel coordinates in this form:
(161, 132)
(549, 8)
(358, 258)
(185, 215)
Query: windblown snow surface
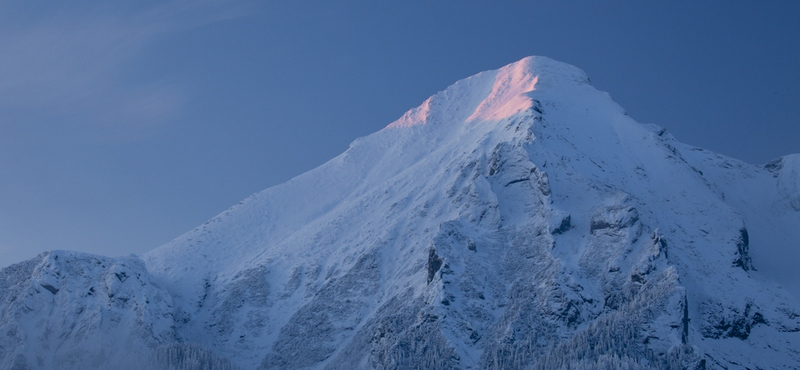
(518, 219)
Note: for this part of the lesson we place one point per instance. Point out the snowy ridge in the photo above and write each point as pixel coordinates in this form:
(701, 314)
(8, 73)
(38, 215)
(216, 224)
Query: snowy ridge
(72, 310)
(519, 219)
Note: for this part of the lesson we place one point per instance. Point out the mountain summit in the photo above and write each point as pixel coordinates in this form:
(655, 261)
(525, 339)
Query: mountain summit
(519, 219)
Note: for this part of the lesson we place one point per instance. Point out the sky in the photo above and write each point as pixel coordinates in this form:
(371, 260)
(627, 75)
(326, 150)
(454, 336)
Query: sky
(126, 124)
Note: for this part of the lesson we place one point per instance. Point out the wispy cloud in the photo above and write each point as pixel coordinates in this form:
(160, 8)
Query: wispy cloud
(77, 63)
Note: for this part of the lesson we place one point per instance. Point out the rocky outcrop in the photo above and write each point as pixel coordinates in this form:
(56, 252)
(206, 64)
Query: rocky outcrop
(61, 308)
(743, 259)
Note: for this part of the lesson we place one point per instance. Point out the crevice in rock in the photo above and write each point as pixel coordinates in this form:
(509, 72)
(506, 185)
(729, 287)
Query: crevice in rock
(50, 288)
(434, 264)
(743, 259)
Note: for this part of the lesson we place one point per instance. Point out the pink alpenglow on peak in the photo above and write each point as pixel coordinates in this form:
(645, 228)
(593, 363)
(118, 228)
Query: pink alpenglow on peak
(493, 95)
(415, 116)
(509, 92)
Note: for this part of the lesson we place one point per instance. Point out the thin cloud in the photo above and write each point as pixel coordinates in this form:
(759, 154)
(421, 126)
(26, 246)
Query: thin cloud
(76, 65)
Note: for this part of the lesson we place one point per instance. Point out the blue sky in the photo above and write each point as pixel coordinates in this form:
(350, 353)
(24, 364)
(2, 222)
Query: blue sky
(124, 125)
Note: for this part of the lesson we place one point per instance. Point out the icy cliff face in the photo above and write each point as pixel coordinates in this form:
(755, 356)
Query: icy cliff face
(517, 219)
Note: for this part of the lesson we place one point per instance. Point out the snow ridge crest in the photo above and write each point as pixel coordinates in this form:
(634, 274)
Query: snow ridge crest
(494, 95)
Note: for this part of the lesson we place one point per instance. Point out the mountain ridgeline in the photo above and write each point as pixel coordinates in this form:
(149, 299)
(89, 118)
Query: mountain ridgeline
(519, 219)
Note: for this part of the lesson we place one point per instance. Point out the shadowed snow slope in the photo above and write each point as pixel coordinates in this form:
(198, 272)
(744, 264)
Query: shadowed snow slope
(519, 219)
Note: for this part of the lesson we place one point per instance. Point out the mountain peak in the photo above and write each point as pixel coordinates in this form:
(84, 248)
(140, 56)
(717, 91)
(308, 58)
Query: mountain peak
(494, 95)
(516, 219)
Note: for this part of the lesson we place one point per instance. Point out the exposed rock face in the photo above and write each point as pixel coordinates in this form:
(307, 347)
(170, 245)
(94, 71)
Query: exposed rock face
(434, 264)
(743, 259)
(517, 220)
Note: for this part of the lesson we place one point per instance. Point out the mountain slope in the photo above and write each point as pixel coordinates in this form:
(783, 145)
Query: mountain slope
(517, 219)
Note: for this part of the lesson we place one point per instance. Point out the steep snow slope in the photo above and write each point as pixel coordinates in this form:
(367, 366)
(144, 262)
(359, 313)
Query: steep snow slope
(768, 198)
(517, 219)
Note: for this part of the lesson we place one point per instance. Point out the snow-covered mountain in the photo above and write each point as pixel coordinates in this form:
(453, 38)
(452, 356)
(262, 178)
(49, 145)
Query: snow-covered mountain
(519, 219)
